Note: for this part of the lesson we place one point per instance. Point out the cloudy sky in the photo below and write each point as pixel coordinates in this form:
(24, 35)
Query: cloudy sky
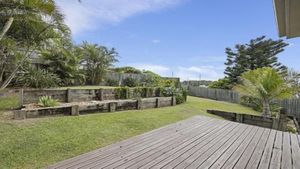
(184, 38)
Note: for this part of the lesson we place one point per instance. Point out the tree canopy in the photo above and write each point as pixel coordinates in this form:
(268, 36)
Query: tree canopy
(258, 53)
(265, 84)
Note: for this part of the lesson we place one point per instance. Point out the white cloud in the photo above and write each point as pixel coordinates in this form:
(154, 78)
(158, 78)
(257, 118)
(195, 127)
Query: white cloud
(197, 72)
(159, 69)
(155, 41)
(92, 14)
(185, 73)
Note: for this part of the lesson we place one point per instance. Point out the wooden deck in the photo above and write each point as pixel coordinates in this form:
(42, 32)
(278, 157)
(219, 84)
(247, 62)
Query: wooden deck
(199, 142)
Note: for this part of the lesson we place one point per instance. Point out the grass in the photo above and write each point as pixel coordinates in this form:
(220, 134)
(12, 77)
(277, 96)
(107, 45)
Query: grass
(9, 103)
(36, 143)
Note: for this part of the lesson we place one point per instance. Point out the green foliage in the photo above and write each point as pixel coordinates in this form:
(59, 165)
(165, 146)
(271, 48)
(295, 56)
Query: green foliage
(145, 92)
(159, 91)
(151, 79)
(293, 78)
(256, 104)
(258, 53)
(137, 91)
(96, 61)
(179, 93)
(47, 101)
(29, 31)
(38, 78)
(264, 84)
(61, 59)
(221, 84)
(127, 69)
(291, 129)
(122, 93)
(130, 82)
(112, 82)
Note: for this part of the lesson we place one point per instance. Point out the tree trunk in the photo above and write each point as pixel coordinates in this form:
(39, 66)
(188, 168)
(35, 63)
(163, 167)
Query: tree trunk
(266, 108)
(6, 27)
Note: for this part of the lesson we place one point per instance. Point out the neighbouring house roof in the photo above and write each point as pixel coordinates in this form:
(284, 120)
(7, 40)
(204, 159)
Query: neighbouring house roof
(288, 17)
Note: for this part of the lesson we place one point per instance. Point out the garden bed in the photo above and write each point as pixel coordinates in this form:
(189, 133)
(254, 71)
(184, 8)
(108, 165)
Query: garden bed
(76, 108)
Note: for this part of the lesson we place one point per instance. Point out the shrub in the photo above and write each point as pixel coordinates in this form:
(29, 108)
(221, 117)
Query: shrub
(138, 92)
(145, 91)
(256, 104)
(130, 82)
(38, 78)
(179, 93)
(47, 101)
(158, 91)
(112, 82)
(122, 93)
(221, 84)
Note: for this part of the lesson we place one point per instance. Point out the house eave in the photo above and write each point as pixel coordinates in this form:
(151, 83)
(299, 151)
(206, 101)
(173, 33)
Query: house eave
(287, 14)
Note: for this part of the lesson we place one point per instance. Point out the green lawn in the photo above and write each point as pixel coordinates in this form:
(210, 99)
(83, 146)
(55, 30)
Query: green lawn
(9, 103)
(36, 143)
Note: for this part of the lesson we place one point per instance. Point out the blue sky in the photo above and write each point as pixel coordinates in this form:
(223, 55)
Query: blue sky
(184, 38)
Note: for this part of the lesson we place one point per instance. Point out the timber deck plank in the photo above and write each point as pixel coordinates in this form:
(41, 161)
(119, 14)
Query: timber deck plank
(198, 142)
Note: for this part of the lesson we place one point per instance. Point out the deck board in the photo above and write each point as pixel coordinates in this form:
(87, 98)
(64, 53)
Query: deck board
(198, 142)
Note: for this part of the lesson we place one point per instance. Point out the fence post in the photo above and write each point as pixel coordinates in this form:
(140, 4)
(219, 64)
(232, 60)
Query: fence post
(21, 101)
(75, 110)
(157, 102)
(112, 106)
(173, 101)
(101, 95)
(138, 104)
(239, 118)
(69, 95)
(282, 119)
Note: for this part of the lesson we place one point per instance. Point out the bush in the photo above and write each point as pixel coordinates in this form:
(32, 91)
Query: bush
(127, 69)
(256, 104)
(38, 78)
(137, 92)
(122, 93)
(112, 82)
(158, 91)
(179, 93)
(47, 101)
(130, 82)
(221, 84)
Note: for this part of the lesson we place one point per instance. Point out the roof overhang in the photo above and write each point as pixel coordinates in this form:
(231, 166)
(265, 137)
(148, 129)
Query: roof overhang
(288, 17)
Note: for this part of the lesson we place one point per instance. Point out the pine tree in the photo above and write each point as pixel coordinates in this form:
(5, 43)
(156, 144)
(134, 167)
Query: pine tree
(258, 53)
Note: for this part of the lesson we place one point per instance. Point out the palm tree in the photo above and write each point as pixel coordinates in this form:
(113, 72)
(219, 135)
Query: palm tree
(33, 11)
(265, 84)
(96, 61)
(29, 24)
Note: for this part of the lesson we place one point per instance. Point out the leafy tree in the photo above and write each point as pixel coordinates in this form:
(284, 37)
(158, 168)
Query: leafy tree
(264, 84)
(221, 84)
(130, 82)
(293, 77)
(27, 26)
(127, 69)
(96, 61)
(62, 60)
(258, 53)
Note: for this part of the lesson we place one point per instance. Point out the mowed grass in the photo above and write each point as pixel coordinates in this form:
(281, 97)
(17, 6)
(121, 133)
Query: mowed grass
(36, 143)
(9, 103)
